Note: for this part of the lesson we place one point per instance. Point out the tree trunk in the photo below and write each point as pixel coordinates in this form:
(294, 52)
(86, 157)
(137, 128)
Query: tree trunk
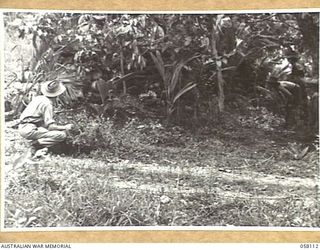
(178, 105)
(210, 103)
(214, 39)
(124, 86)
(309, 29)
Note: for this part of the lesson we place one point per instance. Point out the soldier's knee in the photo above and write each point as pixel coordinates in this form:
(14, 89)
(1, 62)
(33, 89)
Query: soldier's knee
(26, 131)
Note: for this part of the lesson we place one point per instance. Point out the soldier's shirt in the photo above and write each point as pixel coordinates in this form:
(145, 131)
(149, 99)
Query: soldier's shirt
(38, 111)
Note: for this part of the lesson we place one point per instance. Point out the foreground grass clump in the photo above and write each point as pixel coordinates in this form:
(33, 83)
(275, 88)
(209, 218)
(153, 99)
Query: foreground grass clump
(62, 194)
(82, 200)
(70, 197)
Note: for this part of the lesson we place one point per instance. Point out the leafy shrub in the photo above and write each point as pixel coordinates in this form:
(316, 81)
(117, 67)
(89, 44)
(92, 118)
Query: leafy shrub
(260, 117)
(110, 137)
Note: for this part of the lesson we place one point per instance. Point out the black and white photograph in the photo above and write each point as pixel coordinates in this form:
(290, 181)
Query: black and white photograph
(170, 120)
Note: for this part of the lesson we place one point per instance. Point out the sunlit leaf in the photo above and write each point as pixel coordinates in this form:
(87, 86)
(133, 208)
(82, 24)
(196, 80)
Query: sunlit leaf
(188, 40)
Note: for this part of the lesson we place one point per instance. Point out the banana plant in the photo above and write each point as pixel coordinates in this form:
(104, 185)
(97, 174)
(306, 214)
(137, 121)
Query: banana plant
(170, 78)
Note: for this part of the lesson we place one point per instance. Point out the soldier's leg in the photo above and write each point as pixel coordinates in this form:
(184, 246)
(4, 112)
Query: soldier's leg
(49, 138)
(41, 135)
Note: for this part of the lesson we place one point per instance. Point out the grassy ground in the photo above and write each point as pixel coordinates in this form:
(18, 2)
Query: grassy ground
(237, 174)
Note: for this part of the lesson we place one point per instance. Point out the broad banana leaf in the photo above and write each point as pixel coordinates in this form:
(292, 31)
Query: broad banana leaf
(159, 65)
(264, 90)
(285, 91)
(287, 84)
(184, 90)
(176, 74)
(175, 78)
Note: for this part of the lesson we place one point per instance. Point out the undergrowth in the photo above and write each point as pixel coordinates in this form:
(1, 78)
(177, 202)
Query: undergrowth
(133, 138)
(86, 189)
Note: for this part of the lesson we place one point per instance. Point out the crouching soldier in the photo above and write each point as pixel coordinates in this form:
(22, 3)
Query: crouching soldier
(37, 122)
